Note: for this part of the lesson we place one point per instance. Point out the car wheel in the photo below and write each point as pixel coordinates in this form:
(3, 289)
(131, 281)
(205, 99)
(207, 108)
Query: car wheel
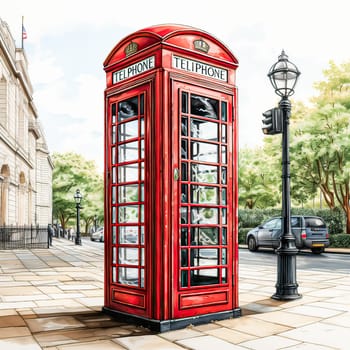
(252, 244)
(92, 239)
(317, 250)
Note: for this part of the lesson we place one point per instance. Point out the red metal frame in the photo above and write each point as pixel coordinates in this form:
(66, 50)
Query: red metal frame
(165, 64)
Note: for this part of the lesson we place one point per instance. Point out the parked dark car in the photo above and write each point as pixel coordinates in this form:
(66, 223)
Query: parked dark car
(310, 232)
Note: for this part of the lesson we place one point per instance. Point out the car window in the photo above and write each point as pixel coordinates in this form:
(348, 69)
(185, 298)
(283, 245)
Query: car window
(295, 222)
(273, 224)
(314, 222)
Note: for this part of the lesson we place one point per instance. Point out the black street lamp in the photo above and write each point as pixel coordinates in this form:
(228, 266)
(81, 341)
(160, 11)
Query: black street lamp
(78, 198)
(283, 76)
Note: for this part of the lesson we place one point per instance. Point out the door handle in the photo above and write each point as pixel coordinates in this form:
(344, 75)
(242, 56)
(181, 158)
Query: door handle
(176, 174)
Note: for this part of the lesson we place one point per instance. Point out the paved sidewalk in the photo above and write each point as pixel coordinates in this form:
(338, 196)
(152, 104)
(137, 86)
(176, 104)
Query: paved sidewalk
(52, 299)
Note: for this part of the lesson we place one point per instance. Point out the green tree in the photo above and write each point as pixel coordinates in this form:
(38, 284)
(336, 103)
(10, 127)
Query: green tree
(259, 184)
(321, 145)
(72, 171)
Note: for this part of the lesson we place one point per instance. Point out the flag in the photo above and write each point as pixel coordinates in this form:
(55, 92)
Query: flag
(24, 32)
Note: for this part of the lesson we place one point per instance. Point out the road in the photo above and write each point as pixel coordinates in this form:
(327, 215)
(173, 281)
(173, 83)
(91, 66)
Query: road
(305, 260)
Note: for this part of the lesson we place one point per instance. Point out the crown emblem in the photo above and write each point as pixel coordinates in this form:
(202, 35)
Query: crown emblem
(131, 49)
(201, 45)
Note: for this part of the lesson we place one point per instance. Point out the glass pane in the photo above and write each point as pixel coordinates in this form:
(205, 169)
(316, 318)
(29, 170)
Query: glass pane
(204, 257)
(184, 131)
(142, 104)
(128, 130)
(204, 235)
(184, 257)
(142, 233)
(184, 102)
(142, 282)
(127, 108)
(223, 133)
(204, 130)
(223, 216)
(184, 278)
(223, 175)
(142, 171)
(114, 195)
(223, 196)
(204, 194)
(224, 236)
(204, 106)
(224, 256)
(184, 174)
(114, 109)
(114, 255)
(204, 216)
(128, 151)
(114, 216)
(183, 215)
(204, 152)
(114, 278)
(184, 194)
(113, 134)
(223, 154)
(184, 149)
(113, 157)
(128, 234)
(204, 277)
(142, 127)
(142, 217)
(223, 111)
(142, 193)
(128, 173)
(204, 173)
(142, 149)
(128, 256)
(128, 276)
(128, 193)
(128, 213)
(142, 256)
(114, 175)
(114, 235)
(224, 275)
(184, 236)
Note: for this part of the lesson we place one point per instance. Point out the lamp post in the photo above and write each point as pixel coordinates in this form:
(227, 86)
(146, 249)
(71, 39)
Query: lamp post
(78, 197)
(283, 76)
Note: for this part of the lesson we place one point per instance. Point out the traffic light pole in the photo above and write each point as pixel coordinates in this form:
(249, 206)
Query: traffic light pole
(286, 286)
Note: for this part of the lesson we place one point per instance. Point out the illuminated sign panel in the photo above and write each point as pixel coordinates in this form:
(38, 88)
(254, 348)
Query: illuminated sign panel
(135, 69)
(201, 68)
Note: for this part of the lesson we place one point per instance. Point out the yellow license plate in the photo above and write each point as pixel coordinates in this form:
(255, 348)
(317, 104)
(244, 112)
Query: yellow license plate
(318, 245)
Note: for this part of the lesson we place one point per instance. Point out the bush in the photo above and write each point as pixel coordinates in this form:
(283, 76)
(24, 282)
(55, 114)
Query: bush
(242, 233)
(341, 240)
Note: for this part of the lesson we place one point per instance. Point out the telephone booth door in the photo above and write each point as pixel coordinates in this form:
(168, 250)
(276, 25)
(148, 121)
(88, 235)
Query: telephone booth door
(126, 199)
(203, 182)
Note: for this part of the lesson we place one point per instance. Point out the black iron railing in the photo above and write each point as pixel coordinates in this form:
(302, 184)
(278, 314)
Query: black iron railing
(19, 237)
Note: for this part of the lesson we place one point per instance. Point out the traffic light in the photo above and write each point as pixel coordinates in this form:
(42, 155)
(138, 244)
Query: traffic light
(272, 121)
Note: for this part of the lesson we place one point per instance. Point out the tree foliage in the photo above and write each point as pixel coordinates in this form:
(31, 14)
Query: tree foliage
(258, 185)
(321, 144)
(72, 171)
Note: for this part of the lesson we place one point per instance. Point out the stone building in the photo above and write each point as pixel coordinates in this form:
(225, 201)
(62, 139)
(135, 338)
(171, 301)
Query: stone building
(25, 163)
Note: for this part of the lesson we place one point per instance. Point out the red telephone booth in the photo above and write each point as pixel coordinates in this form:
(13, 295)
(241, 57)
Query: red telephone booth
(171, 179)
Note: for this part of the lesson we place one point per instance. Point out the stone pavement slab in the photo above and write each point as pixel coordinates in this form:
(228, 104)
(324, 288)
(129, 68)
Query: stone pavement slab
(52, 299)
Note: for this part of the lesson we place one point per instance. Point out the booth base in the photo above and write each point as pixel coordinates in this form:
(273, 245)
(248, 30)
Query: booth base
(169, 325)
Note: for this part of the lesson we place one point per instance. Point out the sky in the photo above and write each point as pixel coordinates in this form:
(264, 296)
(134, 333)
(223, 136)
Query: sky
(67, 42)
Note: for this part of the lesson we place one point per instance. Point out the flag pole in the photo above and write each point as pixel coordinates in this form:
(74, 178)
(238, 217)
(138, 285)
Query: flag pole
(22, 32)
